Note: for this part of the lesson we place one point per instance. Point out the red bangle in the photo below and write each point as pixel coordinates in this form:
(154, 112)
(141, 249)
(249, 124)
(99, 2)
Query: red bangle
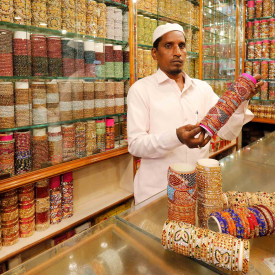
(272, 217)
(256, 226)
(267, 223)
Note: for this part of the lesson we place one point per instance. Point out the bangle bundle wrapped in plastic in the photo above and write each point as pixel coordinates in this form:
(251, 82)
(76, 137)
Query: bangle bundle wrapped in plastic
(228, 104)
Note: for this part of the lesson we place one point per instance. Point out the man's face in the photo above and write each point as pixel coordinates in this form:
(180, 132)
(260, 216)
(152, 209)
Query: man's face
(171, 52)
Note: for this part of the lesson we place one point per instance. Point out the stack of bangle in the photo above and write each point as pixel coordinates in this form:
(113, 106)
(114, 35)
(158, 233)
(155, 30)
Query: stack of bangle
(26, 211)
(214, 248)
(182, 192)
(42, 221)
(55, 200)
(233, 199)
(7, 153)
(67, 188)
(209, 189)
(245, 222)
(9, 218)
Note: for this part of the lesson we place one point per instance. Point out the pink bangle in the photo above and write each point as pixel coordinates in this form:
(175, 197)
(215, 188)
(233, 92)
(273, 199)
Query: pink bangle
(209, 132)
(250, 77)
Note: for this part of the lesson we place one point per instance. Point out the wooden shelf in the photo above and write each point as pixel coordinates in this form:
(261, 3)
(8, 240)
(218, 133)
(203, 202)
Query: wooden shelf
(231, 145)
(34, 176)
(82, 213)
(263, 120)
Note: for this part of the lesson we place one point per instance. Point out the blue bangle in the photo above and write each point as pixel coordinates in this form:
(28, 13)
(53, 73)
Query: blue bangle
(237, 221)
(260, 220)
(222, 222)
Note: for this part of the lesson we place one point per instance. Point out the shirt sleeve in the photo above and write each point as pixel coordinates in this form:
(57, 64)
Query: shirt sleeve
(140, 142)
(233, 127)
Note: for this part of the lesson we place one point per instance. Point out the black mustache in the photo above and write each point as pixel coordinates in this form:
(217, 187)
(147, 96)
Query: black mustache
(178, 60)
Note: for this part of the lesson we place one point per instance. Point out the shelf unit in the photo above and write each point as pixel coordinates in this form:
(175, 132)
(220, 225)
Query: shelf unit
(263, 120)
(225, 148)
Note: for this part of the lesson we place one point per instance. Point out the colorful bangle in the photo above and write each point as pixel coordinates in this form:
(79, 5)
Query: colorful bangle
(222, 221)
(272, 218)
(245, 266)
(260, 219)
(237, 221)
(245, 222)
(230, 222)
(255, 223)
(266, 219)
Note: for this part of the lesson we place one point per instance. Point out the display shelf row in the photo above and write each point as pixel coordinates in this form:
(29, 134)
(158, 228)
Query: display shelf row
(260, 59)
(61, 33)
(259, 39)
(263, 120)
(225, 148)
(18, 78)
(167, 19)
(82, 213)
(259, 18)
(59, 123)
(218, 12)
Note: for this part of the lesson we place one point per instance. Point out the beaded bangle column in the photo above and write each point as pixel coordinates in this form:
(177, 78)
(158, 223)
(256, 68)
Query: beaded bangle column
(147, 63)
(55, 201)
(140, 29)
(67, 188)
(40, 148)
(54, 56)
(90, 137)
(147, 30)
(119, 97)
(91, 17)
(100, 135)
(118, 59)
(124, 128)
(6, 105)
(209, 189)
(53, 110)
(140, 63)
(118, 24)
(42, 214)
(55, 144)
(101, 20)
(126, 90)
(6, 61)
(182, 193)
(21, 53)
(100, 69)
(79, 58)
(39, 13)
(81, 16)
(89, 58)
(77, 100)
(126, 62)
(125, 27)
(54, 14)
(6, 11)
(100, 99)
(65, 98)
(68, 64)
(228, 104)
(110, 22)
(89, 99)
(26, 211)
(39, 100)
(110, 98)
(68, 142)
(110, 134)
(23, 161)
(23, 104)
(39, 55)
(7, 153)
(68, 15)
(221, 250)
(109, 60)
(80, 139)
(9, 218)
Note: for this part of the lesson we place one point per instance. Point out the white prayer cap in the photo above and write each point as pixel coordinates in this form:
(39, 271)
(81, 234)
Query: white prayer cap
(168, 27)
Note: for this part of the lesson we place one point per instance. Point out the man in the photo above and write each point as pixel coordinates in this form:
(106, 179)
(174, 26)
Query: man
(164, 110)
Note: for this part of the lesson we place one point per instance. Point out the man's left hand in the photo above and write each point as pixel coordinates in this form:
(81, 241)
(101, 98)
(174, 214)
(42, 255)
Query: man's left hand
(257, 86)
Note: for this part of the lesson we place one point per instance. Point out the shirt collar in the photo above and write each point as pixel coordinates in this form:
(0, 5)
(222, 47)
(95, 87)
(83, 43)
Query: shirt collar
(161, 77)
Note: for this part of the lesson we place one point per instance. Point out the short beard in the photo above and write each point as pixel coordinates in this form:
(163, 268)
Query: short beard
(175, 72)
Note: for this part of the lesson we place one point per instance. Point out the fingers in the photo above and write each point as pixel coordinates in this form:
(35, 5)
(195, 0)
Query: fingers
(257, 77)
(205, 141)
(261, 83)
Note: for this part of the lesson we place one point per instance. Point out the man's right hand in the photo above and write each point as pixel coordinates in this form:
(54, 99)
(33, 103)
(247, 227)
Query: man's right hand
(186, 134)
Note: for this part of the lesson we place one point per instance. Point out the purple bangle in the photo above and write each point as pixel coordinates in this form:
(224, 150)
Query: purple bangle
(209, 132)
(250, 77)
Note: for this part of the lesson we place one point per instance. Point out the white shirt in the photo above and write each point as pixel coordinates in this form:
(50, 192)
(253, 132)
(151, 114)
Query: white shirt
(156, 108)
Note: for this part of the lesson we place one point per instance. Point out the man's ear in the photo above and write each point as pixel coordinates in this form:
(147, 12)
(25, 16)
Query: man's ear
(154, 53)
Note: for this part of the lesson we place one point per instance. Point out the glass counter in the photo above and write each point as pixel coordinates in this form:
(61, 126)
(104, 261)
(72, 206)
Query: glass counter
(112, 247)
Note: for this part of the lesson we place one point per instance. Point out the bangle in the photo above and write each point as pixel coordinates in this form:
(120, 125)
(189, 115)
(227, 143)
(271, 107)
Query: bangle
(222, 221)
(272, 218)
(260, 220)
(237, 221)
(230, 223)
(266, 219)
(245, 222)
(9, 213)
(245, 266)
